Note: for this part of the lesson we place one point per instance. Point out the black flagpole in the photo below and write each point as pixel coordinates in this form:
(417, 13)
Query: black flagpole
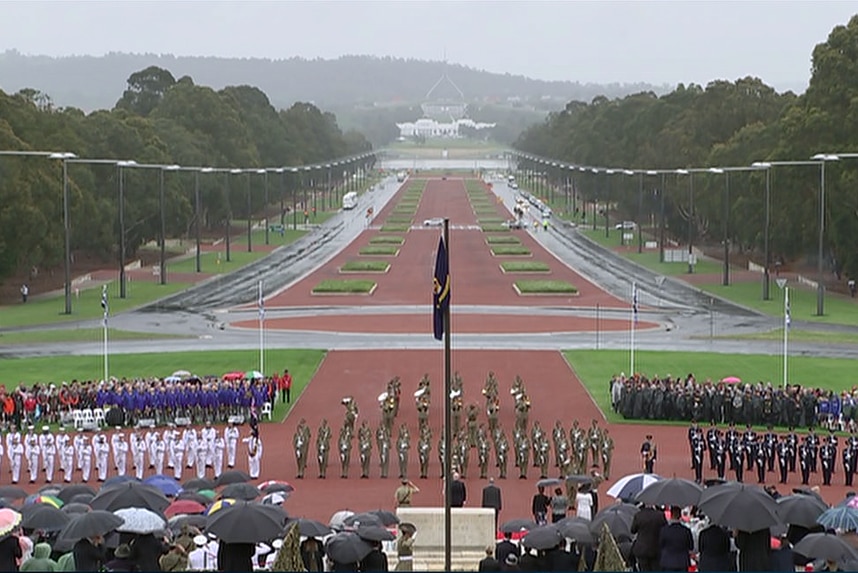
(448, 417)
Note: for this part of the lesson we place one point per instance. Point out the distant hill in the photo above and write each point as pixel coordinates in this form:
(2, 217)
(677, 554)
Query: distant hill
(89, 82)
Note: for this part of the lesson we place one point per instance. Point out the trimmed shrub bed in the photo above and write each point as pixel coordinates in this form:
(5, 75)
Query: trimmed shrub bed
(510, 250)
(379, 250)
(399, 220)
(387, 240)
(344, 286)
(524, 267)
(545, 287)
(365, 267)
(490, 220)
(395, 228)
(503, 240)
(492, 229)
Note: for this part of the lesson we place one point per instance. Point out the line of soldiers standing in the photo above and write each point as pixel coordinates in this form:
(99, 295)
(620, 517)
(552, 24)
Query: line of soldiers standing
(571, 454)
(749, 451)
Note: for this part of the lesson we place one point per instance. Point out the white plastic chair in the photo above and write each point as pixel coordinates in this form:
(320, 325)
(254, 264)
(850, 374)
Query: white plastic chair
(87, 419)
(267, 410)
(99, 416)
(77, 420)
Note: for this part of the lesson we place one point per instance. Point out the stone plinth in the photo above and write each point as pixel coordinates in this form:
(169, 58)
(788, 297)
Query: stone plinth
(473, 529)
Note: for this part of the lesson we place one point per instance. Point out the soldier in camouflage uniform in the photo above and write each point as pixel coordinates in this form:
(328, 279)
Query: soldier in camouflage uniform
(536, 436)
(472, 413)
(523, 449)
(483, 451)
(463, 452)
(522, 409)
(345, 449)
(490, 390)
(594, 438)
(394, 389)
(365, 448)
(456, 405)
(424, 448)
(543, 452)
(351, 413)
(323, 447)
(607, 451)
(299, 442)
(382, 440)
(501, 453)
(403, 444)
(423, 412)
(388, 410)
(493, 412)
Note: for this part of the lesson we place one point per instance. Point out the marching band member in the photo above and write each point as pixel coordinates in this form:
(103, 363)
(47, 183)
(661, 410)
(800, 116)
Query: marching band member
(254, 455)
(16, 455)
(31, 452)
(230, 436)
(49, 451)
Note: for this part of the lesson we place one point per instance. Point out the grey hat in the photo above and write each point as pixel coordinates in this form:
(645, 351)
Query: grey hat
(511, 560)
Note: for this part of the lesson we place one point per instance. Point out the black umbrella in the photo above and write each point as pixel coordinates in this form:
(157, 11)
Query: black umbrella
(576, 528)
(245, 491)
(278, 487)
(247, 523)
(540, 538)
(68, 492)
(387, 518)
(675, 491)
(347, 547)
(548, 482)
(51, 489)
(825, 546)
(310, 527)
(12, 492)
(198, 484)
(618, 518)
(365, 518)
(579, 479)
(198, 521)
(76, 508)
(516, 525)
(130, 494)
(96, 522)
(232, 476)
(800, 510)
(46, 518)
(194, 496)
(374, 533)
(739, 506)
(82, 498)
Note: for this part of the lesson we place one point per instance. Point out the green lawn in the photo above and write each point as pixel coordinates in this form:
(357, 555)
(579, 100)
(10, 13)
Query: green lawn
(524, 267)
(302, 364)
(545, 287)
(596, 367)
(799, 336)
(348, 286)
(214, 262)
(365, 267)
(382, 250)
(503, 240)
(839, 309)
(387, 240)
(87, 305)
(76, 335)
(494, 229)
(511, 250)
(395, 228)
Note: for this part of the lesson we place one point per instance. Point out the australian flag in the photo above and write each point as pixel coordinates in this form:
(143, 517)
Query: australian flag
(635, 306)
(105, 306)
(441, 289)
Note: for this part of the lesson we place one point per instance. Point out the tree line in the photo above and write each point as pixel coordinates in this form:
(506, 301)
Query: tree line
(158, 120)
(729, 124)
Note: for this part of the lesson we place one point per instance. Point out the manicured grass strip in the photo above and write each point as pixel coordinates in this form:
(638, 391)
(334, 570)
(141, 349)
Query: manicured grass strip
(545, 287)
(490, 220)
(399, 220)
(302, 365)
(387, 240)
(490, 211)
(395, 228)
(795, 335)
(503, 240)
(515, 250)
(524, 267)
(77, 335)
(596, 367)
(494, 229)
(404, 212)
(408, 203)
(379, 250)
(365, 267)
(335, 286)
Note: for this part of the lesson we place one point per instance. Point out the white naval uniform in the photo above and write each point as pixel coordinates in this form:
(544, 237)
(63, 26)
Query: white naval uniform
(62, 439)
(219, 448)
(120, 455)
(253, 461)
(79, 441)
(202, 452)
(190, 438)
(178, 453)
(49, 455)
(67, 454)
(10, 441)
(230, 435)
(208, 435)
(138, 450)
(169, 436)
(102, 453)
(31, 452)
(85, 453)
(114, 438)
(151, 436)
(16, 454)
(159, 455)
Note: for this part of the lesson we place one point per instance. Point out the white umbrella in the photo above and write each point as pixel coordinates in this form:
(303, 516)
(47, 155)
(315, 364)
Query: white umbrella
(276, 498)
(173, 379)
(253, 375)
(337, 522)
(139, 520)
(181, 374)
(629, 486)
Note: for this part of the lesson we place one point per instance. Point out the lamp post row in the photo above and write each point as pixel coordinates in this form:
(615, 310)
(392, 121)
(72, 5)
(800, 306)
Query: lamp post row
(67, 157)
(820, 160)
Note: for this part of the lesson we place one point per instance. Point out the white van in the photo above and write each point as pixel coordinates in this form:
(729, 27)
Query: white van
(350, 200)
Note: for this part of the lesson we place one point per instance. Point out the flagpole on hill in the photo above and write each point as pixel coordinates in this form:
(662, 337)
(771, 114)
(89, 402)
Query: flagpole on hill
(261, 304)
(441, 319)
(105, 306)
(634, 322)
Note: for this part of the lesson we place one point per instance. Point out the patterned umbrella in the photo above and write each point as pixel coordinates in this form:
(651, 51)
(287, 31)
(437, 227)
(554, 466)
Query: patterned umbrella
(627, 487)
(843, 518)
(139, 520)
(44, 499)
(274, 485)
(166, 484)
(276, 498)
(220, 504)
(9, 520)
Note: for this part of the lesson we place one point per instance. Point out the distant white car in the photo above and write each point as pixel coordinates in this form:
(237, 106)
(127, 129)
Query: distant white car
(626, 225)
(434, 222)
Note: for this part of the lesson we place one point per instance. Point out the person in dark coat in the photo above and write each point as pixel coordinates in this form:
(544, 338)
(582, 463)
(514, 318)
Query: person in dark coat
(489, 563)
(89, 554)
(754, 550)
(539, 509)
(458, 492)
(646, 525)
(561, 560)
(312, 554)
(530, 562)
(676, 543)
(146, 550)
(376, 560)
(713, 545)
(492, 499)
(782, 557)
(337, 566)
(10, 552)
(506, 547)
(122, 560)
(510, 563)
(235, 556)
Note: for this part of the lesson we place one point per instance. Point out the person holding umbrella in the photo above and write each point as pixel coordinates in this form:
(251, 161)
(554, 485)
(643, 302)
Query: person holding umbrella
(89, 553)
(676, 543)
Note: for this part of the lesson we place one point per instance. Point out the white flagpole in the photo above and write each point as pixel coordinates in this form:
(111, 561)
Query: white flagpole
(634, 319)
(104, 324)
(787, 320)
(261, 332)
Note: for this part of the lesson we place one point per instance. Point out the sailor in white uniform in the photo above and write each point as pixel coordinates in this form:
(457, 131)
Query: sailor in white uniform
(16, 454)
(32, 453)
(120, 454)
(254, 455)
(47, 444)
(230, 436)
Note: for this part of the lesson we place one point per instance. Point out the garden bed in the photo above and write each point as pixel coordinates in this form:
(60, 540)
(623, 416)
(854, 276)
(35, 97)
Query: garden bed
(379, 250)
(365, 267)
(524, 267)
(503, 240)
(510, 251)
(344, 286)
(395, 228)
(530, 287)
(387, 240)
(494, 229)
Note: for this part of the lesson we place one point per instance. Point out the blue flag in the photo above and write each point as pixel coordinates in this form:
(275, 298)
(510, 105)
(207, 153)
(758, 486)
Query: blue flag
(441, 289)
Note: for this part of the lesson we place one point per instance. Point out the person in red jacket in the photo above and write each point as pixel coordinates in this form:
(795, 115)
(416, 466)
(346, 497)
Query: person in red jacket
(285, 384)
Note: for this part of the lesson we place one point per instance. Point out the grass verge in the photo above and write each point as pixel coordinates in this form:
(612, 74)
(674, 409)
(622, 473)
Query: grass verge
(365, 267)
(383, 250)
(545, 287)
(395, 228)
(494, 229)
(77, 335)
(524, 267)
(798, 336)
(503, 240)
(510, 250)
(335, 286)
(387, 240)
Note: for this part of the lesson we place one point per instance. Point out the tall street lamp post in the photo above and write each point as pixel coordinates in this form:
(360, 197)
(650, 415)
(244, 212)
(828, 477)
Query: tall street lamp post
(163, 207)
(822, 158)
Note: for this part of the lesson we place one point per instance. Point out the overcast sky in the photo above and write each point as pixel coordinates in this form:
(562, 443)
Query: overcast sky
(655, 42)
